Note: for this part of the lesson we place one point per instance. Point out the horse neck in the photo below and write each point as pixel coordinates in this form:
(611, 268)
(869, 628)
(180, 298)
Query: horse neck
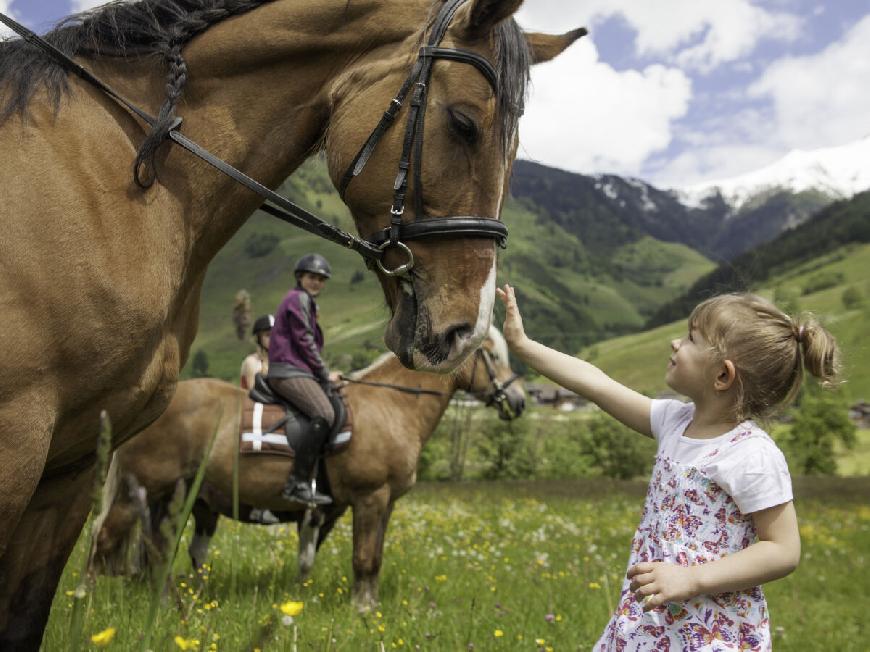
(257, 96)
(416, 415)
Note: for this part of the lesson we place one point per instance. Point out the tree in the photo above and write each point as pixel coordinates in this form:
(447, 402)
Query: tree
(852, 298)
(820, 420)
(200, 364)
(616, 450)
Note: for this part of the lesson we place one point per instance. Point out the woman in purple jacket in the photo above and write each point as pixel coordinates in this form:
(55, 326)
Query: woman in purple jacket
(299, 374)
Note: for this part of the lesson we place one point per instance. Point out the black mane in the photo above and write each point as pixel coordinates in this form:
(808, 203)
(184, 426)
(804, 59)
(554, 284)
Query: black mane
(160, 28)
(118, 29)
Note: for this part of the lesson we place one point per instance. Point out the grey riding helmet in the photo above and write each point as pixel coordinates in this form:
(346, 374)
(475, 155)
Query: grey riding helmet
(263, 324)
(314, 263)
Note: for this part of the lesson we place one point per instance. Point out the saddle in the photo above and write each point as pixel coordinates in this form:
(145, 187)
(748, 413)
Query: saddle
(270, 425)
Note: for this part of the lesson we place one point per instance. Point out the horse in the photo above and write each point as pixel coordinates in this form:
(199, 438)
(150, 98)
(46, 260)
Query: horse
(395, 410)
(109, 228)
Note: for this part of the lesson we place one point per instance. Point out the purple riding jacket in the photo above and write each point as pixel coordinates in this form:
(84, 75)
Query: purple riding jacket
(297, 339)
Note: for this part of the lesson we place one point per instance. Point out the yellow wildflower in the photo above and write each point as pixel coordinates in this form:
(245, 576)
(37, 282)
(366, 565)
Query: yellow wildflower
(104, 637)
(594, 586)
(186, 643)
(291, 608)
(498, 633)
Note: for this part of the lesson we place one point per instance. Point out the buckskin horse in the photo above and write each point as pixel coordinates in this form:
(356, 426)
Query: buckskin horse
(395, 410)
(109, 226)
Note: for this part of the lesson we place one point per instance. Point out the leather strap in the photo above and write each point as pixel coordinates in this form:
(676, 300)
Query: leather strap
(469, 227)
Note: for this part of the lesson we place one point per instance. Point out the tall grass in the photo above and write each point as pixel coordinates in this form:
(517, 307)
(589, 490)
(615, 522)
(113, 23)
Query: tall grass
(496, 566)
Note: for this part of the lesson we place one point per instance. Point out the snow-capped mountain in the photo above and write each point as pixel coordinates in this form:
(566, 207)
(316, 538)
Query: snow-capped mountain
(839, 172)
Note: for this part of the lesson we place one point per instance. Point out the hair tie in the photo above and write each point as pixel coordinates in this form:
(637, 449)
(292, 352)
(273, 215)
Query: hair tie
(799, 335)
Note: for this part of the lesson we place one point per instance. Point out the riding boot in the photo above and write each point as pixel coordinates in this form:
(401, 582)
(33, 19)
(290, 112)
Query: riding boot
(299, 487)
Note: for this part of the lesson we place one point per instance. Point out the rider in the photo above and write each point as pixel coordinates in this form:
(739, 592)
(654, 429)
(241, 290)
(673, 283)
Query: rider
(298, 373)
(258, 362)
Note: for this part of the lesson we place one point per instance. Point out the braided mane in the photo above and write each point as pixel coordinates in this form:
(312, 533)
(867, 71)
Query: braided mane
(160, 29)
(147, 28)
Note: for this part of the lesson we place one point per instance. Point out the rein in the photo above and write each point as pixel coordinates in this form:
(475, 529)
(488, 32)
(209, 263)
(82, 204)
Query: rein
(373, 248)
(399, 388)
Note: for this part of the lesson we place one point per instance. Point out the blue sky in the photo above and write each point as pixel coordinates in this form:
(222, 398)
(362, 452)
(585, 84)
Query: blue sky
(677, 91)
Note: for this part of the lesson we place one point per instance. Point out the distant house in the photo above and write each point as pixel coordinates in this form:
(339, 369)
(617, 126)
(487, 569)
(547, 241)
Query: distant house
(860, 414)
(555, 397)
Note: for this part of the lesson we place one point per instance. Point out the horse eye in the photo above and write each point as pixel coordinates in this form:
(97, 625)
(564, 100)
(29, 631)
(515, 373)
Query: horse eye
(463, 126)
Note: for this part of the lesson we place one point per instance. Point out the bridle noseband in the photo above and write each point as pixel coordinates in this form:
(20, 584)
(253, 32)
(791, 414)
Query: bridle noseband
(499, 396)
(393, 236)
(400, 232)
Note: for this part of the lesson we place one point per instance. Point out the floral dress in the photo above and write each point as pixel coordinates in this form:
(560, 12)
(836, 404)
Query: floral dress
(688, 518)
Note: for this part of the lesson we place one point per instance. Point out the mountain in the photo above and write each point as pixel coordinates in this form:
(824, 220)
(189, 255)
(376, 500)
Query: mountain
(838, 172)
(816, 283)
(843, 223)
(607, 211)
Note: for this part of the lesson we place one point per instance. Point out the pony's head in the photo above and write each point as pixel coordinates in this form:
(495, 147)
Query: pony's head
(455, 162)
(489, 377)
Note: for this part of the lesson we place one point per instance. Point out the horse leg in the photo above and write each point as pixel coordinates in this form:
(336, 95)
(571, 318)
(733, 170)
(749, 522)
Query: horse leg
(204, 525)
(371, 513)
(331, 517)
(36, 554)
(309, 533)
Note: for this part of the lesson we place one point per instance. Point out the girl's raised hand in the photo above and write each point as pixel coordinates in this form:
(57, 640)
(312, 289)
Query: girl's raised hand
(513, 321)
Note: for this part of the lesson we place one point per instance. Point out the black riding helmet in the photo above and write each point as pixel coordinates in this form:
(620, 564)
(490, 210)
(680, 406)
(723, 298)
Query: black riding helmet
(314, 263)
(264, 323)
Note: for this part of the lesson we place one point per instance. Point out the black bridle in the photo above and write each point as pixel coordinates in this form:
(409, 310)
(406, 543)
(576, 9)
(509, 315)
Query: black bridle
(412, 144)
(498, 397)
(373, 248)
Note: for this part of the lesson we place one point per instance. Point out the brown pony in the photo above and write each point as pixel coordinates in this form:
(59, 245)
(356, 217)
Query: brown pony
(101, 277)
(390, 429)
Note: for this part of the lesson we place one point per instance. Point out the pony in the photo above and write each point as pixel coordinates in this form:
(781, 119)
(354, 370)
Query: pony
(108, 230)
(395, 411)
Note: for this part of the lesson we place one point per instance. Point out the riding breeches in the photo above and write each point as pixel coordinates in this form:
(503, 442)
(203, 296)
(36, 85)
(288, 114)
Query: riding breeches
(306, 394)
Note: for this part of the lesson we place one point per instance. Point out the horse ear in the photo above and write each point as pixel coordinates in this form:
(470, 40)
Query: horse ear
(483, 15)
(548, 46)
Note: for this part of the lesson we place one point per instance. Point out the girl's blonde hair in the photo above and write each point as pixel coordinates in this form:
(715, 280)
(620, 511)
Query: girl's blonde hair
(769, 350)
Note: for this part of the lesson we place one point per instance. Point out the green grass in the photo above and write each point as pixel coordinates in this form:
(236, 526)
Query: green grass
(464, 562)
(639, 360)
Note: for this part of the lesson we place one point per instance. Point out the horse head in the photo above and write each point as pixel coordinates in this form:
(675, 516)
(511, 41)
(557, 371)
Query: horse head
(451, 147)
(489, 377)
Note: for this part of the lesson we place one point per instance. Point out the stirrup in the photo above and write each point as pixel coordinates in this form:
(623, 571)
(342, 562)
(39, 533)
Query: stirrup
(305, 493)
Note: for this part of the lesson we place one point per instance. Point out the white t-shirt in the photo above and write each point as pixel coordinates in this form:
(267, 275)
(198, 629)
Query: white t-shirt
(751, 469)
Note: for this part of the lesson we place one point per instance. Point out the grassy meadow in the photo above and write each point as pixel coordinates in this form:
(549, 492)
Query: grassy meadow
(639, 360)
(469, 566)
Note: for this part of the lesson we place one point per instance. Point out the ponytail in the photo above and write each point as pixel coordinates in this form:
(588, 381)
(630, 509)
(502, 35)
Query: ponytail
(819, 351)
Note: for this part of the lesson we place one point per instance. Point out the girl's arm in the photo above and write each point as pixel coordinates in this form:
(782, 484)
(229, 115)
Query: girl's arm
(627, 405)
(775, 555)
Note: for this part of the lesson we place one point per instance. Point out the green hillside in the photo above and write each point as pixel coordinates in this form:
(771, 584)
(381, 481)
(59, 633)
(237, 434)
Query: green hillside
(569, 299)
(816, 285)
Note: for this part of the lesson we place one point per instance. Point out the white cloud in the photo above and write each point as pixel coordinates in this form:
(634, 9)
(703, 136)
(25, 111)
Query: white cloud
(697, 35)
(822, 99)
(82, 5)
(720, 161)
(5, 32)
(585, 116)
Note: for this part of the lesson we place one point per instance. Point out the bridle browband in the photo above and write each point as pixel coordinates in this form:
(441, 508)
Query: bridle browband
(373, 248)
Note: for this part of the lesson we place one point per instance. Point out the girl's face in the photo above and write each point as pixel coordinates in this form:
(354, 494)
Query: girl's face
(312, 283)
(689, 369)
(264, 338)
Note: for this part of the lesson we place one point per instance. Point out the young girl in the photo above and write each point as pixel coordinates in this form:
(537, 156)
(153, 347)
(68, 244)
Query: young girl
(258, 362)
(718, 519)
